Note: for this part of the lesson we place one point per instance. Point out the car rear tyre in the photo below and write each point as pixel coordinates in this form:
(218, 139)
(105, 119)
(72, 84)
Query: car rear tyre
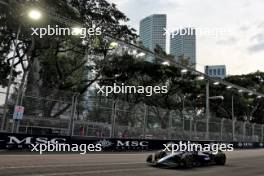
(188, 161)
(220, 160)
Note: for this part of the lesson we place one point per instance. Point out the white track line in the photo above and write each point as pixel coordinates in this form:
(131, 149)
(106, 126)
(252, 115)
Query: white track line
(66, 165)
(91, 172)
(87, 154)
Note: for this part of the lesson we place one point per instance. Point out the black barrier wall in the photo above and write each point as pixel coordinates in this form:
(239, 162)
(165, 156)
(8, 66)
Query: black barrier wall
(12, 141)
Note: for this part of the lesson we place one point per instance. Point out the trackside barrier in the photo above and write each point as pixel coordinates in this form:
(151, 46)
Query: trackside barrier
(13, 141)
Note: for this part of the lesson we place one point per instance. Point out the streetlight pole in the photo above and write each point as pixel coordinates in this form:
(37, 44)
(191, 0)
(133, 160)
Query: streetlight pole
(35, 15)
(233, 115)
(233, 119)
(10, 80)
(207, 112)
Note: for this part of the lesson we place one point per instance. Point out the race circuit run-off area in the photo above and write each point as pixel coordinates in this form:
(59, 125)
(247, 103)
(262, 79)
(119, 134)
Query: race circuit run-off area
(239, 163)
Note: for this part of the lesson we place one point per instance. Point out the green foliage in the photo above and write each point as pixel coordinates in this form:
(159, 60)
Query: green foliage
(57, 62)
(183, 88)
(245, 106)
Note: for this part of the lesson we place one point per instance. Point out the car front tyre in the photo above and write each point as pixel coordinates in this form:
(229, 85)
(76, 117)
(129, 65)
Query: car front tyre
(160, 155)
(149, 159)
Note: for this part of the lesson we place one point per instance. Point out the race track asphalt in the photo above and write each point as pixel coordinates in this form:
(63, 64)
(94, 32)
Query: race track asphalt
(239, 163)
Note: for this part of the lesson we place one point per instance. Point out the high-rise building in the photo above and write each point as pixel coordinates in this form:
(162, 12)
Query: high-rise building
(183, 45)
(218, 71)
(151, 31)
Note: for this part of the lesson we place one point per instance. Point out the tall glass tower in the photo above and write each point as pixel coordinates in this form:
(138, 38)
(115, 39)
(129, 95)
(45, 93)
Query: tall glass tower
(151, 31)
(183, 45)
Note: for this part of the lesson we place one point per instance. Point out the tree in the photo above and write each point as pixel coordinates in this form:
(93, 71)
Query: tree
(185, 92)
(58, 62)
(132, 71)
(244, 105)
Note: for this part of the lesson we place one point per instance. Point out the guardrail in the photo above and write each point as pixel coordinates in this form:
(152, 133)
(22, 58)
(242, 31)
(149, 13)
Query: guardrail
(13, 141)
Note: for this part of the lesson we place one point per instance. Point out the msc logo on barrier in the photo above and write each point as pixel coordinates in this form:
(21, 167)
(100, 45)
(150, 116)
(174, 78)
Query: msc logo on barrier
(105, 143)
(32, 140)
(245, 144)
(135, 145)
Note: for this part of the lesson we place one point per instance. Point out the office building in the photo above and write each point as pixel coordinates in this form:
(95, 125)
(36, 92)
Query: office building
(151, 31)
(218, 71)
(183, 45)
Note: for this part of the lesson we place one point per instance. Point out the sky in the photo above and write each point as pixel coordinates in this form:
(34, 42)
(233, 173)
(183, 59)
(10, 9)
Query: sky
(241, 48)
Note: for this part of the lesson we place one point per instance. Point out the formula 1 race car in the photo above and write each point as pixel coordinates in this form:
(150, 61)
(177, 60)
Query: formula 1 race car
(186, 159)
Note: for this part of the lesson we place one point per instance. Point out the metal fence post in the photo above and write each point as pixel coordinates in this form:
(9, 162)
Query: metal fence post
(13, 126)
(71, 117)
(195, 129)
(262, 132)
(74, 113)
(233, 128)
(244, 130)
(17, 122)
(113, 119)
(145, 121)
(170, 126)
(73, 109)
(191, 124)
(221, 129)
(253, 131)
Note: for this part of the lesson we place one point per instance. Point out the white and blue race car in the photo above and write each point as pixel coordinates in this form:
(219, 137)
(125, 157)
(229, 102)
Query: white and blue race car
(186, 159)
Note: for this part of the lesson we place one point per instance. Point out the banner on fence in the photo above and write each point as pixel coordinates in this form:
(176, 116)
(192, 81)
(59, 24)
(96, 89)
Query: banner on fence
(12, 141)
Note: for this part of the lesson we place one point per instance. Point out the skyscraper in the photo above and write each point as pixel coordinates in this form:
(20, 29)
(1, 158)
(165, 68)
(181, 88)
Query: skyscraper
(183, 45)
(151, 31)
